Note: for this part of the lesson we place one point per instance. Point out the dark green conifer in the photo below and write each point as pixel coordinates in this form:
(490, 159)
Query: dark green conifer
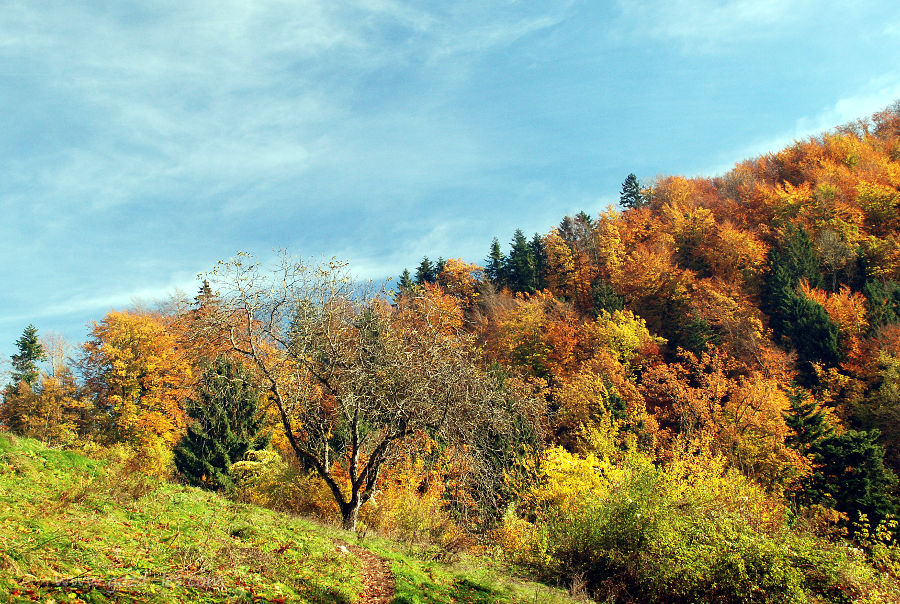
(539, 252)
(631, 196)
(405, 282)
(25, 363)
(807, 421)
(520, 269)
(226, 423)
(493, 268)
(425, 272)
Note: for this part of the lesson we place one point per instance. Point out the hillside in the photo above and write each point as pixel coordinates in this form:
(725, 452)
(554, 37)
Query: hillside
(693, 397)
(75, 529)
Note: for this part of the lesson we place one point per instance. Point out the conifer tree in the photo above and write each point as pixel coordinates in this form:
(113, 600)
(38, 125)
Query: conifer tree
(493, 268)
(25, 363)
(807, 421)
(520, 269)
(405, 282)
(850, 475)
(631, 196)
(226, 424)
(425, 272)
(540, 261)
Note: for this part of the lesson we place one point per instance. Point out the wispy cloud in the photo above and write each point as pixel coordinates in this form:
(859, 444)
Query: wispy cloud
(876, 96)
(708, 25)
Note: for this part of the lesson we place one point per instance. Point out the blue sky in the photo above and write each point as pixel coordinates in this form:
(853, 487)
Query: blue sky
(143, 141)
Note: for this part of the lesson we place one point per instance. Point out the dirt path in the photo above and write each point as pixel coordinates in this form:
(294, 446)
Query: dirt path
(376, 575)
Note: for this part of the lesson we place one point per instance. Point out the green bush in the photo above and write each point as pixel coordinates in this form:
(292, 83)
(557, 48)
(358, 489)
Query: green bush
(694, 532)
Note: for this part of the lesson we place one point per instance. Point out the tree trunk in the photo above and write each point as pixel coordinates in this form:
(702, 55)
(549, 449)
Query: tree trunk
(349, 515)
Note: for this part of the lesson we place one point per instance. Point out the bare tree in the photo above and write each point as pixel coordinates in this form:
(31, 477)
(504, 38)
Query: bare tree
(350, 376)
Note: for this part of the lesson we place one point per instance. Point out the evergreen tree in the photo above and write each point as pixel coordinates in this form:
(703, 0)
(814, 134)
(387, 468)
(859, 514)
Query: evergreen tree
(804, 322)
(848, 468)
(405, 282)
(205, 296)
(882, 303)
(226, 424)
(439, 267)
(539, 252)
(850, 475)
(806, 420)
(25, 363)
(520, 269)
(631, 196)
(605, 297)
(795, 255)
(493, 268)
(425, 272)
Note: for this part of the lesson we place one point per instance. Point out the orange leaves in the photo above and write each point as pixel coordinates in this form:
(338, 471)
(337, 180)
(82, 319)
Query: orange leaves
(137, 377)
(460, 280)
(848, 311)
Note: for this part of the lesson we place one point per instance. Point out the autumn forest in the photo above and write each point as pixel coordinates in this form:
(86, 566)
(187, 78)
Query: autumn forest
(692, 397)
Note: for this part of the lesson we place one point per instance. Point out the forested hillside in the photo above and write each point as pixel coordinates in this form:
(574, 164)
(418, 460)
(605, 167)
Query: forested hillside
(692, 398)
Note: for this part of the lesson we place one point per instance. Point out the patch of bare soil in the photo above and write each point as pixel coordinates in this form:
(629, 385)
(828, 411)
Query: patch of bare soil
(376, 574)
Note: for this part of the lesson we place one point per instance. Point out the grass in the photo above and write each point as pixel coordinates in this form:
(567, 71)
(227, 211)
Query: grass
(75, 529)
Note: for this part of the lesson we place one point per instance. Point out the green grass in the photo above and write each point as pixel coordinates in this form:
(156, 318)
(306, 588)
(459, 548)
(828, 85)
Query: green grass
(74, 529)
(78, 530)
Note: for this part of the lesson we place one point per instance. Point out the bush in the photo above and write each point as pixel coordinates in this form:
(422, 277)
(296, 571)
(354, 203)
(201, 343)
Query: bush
(696, 532)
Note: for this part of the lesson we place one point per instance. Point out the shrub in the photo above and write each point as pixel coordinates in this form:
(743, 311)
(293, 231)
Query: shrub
(696, 531)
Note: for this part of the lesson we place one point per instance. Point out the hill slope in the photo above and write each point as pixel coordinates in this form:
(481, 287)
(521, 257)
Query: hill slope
(81, 530)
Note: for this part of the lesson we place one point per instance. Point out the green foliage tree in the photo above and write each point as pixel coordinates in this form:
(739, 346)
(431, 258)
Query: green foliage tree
(227, 423)
(631, 196)
(405, 282)
(493, 265)
(539, 253)
(425, 273)
(803, 322)
(850, 475)
(520, 265)
(882, 303)
(807, 421)
(25, 363)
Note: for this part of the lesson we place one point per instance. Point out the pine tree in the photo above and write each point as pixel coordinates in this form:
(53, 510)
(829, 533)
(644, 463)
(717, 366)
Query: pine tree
(520, 269)
(539, 252)
(493, 268)
(850, 475)
(631, 196)
(425, 272)
(25, 363)
(807, 422)
(226, 424)
(405, 282)
(205, 296)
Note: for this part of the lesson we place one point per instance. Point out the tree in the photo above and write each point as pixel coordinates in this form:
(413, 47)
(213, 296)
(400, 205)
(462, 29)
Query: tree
(631, 196)
(540, 261)
(493, 266)
(425, 273)
(351, 378)
(25, 363)
(807, 421)
(226, 424)
(520, 267)
(405, 282)
(136, 378)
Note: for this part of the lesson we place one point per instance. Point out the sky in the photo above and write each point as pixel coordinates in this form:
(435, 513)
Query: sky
(140, 142)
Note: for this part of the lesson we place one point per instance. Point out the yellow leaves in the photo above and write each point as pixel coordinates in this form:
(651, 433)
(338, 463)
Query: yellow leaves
(564, 478)
(460, 280)
(135, 371)
(624, 334)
